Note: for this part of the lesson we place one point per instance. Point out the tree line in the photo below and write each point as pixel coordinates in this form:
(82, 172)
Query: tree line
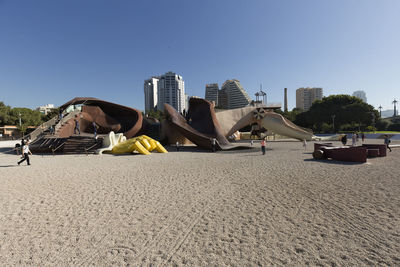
(340, 113)
(29, 117)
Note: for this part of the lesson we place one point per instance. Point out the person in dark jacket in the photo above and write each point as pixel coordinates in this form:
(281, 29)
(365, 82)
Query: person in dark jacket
(344, 140)
(387, 142)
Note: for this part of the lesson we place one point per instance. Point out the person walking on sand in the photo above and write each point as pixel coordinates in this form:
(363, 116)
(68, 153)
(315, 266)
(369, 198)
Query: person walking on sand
(177, 145)
(263, 146)
(76, 129)
(213, 144)
(305, 144)
(251, 142)
(354, 139)
(21, 147)
(387, 142)
(26, 152)
(344, 139)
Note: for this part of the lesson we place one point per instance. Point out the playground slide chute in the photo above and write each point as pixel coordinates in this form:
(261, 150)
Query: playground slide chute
(280, 125)
(235, 119)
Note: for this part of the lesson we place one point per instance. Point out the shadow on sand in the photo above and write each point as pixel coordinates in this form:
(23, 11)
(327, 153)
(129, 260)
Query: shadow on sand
(7, 166)
(7, 150)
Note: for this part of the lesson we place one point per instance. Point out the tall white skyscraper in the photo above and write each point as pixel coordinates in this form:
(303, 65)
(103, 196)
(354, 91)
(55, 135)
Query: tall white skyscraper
(361, 94)
(151, 94)
(306, 96)
(171, 90)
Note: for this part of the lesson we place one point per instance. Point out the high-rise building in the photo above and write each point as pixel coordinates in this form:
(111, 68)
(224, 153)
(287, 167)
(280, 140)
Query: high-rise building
(222, 99)
(235, 94)
(230, 96)
(306, 96)
(150, 94)
(171, 90)
(212, 92)
(361, 94)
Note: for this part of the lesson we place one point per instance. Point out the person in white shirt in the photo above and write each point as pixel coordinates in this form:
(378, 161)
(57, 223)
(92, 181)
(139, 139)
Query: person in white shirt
(26, 152)
(305, 144)
(354, 139)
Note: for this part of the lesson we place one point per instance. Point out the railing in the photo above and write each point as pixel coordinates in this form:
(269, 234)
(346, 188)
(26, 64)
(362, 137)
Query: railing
(64, 119)
(7, 138)
(54, 150)
(40, 129)
(87, 149)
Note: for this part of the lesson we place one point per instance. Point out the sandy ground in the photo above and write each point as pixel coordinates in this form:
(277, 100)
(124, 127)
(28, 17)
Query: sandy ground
(200, 209)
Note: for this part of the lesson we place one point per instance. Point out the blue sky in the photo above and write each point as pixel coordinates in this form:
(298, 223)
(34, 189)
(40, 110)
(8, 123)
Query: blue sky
(54, 50)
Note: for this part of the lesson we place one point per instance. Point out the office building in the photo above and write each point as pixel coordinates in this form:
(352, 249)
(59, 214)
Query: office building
(150, 94)
(231, 95)
(306, 96)
(171, 90)
(212, 92)
(235, 94)
(361, 94)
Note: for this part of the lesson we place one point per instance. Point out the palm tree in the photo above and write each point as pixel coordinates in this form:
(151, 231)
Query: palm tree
(380, 111)
(394, 102)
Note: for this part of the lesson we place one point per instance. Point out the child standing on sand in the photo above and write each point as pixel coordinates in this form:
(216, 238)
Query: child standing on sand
(263, 146)
(305, 144)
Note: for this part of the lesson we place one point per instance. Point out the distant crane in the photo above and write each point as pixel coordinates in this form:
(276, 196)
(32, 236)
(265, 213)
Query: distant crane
(394, 102)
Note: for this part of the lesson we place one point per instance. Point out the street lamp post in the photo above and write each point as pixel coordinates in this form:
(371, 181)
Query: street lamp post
(380, 111)
(333, 122)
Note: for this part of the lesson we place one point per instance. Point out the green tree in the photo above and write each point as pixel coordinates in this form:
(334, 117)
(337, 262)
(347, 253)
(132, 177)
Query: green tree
(157, 114)
(4, 114)
(53, 113)
(345, 109)
(28, 116)
(290, 115)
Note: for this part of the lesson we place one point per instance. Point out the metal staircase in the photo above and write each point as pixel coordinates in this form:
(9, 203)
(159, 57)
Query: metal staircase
(81, 145)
